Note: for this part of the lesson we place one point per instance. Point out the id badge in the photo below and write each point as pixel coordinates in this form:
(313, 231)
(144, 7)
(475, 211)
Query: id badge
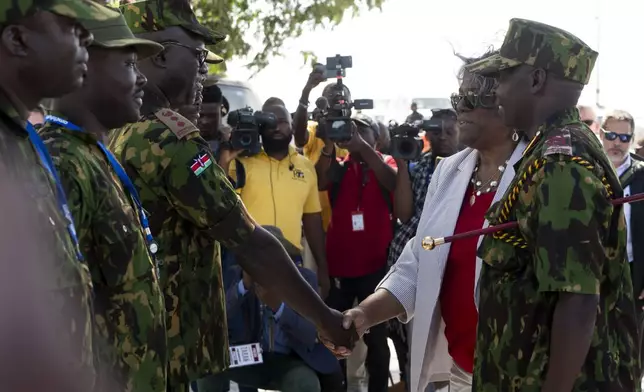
(246, 355)
(357, 221)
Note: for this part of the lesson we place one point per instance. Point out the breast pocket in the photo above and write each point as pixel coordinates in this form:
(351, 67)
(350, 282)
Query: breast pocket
(124, 254)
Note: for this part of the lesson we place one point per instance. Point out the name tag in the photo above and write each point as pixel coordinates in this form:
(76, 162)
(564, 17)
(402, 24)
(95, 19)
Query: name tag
(246, 355)
(357, 221)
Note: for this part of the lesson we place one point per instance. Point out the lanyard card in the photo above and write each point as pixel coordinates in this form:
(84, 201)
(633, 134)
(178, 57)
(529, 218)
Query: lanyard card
(245, 355)
(357, 221)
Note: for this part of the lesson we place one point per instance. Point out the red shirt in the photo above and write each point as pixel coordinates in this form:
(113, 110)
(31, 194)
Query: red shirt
(353, 253)
(457, 292)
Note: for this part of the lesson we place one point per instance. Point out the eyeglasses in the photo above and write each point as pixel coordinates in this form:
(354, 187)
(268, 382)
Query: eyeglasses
(200, 53)
(472, 100)
(623, 137)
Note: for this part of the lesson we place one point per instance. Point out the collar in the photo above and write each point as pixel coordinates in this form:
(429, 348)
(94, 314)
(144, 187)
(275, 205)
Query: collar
(153, 100)
(86, 137)
(624, 166)
(10, 110)
(560, 119)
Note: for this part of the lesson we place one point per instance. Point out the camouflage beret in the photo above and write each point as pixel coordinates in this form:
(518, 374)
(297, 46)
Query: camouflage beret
(114, 34)
(157, 15)
(541, 46)
(14, 10)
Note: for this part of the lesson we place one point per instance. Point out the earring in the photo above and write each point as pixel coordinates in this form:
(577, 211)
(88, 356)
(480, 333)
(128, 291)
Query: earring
(515, 136)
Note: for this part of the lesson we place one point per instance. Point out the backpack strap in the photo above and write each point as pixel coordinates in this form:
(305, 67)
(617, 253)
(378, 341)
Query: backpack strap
(336, 174)
(240, 174)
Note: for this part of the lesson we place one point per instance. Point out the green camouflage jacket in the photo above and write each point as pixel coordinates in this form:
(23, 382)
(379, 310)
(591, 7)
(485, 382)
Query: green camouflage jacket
(570, 239)
(128, 305)
(70, 290)
(191, 206)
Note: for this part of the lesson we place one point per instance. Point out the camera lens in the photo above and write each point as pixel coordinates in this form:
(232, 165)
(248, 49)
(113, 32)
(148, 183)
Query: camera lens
(245, 140)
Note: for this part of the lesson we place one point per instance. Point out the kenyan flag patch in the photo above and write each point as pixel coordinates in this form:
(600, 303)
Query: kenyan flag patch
(200, 164)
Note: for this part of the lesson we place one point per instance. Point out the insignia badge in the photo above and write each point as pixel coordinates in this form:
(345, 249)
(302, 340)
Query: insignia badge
(200, 164)
(558, 143)
(298, 174)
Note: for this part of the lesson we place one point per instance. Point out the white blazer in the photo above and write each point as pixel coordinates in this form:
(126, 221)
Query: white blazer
(415, 280)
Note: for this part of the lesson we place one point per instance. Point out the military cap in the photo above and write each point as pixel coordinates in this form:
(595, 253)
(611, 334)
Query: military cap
(156, 15)
(541, 46)
(12, 11)
(114, 34)
(291, 249)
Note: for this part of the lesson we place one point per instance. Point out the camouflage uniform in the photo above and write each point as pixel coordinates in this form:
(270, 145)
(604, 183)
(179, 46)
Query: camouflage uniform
(570, 239)
(192, 206)
(70, 294)
(129, 315)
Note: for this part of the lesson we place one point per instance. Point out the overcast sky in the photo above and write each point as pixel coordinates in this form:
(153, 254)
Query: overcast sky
(405, 50)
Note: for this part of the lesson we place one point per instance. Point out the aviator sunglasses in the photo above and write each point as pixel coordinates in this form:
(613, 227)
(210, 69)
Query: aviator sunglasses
(471, 100)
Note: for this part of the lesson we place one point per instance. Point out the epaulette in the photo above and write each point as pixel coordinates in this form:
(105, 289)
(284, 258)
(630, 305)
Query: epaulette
(558, 142)
(175, 122)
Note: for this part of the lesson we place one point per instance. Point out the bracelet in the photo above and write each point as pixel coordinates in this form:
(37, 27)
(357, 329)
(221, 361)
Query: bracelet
(304, 105)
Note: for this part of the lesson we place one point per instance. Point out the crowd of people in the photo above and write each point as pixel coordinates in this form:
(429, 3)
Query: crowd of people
(144, 252)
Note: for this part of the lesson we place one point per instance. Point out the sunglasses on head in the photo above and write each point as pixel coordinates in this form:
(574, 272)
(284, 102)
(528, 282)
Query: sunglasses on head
(471, 100)
(623, 137)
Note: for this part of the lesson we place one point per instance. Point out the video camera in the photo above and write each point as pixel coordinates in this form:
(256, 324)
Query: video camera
(247, 127)
(334, 114)
(405, 140)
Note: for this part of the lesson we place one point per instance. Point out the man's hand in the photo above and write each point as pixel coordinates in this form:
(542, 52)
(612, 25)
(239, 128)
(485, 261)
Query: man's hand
(356, 143)
(315, 78)
(358, 318)
(226, 155)
(641, 297)
(338, 339)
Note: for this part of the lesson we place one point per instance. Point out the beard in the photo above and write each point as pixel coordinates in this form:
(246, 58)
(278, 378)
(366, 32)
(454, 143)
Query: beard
(275, 145)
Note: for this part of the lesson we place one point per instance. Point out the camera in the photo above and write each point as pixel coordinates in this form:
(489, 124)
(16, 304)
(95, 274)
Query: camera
(247, 127)
(405, 140)
(334, 113)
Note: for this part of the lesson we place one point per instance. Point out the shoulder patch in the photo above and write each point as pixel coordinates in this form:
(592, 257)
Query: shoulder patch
(558, 142)
(175, 122)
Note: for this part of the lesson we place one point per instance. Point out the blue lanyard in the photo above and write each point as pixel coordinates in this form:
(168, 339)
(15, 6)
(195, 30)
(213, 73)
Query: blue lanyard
(46, 161)
(123, 177)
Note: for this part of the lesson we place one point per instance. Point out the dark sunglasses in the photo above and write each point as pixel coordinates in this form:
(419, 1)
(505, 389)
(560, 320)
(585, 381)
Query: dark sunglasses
(472, 100)
(201, 54)
(623, 137)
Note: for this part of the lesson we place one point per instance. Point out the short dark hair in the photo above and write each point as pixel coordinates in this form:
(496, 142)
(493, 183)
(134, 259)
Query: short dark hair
(273, 101)
(487, 83)
(212, 94)
(443, 114)
(620, 115)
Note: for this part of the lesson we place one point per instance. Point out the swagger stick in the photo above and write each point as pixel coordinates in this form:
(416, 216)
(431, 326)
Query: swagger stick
(429, 243)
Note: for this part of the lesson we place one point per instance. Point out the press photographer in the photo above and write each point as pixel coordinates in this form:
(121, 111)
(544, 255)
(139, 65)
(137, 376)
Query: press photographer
(360, 189)
(277, 185)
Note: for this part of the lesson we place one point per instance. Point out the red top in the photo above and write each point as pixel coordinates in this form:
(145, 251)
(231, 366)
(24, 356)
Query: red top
(457, 292)
(352, 253)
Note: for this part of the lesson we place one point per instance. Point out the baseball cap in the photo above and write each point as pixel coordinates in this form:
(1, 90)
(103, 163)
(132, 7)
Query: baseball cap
(115, 34)
(15, 10)
(156, 15)
(541, 46)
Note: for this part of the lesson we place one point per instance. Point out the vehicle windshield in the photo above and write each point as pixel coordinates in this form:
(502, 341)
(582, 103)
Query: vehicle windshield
(240, 97)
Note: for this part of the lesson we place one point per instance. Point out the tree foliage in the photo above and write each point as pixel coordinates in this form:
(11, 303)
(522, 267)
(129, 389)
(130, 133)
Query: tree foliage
(271, 22)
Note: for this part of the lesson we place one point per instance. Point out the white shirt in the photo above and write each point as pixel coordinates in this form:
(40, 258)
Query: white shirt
(627, 208)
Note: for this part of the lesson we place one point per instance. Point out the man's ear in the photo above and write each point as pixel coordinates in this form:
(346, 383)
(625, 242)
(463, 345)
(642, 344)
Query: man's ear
(14, 40)
(538, 79)
(160, 59)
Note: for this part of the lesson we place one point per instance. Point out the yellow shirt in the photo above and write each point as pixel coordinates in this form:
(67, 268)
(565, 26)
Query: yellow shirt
(278, 193)
(313, 150)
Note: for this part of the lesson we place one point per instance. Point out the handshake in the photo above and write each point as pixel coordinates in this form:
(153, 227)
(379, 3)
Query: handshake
(341, 332)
